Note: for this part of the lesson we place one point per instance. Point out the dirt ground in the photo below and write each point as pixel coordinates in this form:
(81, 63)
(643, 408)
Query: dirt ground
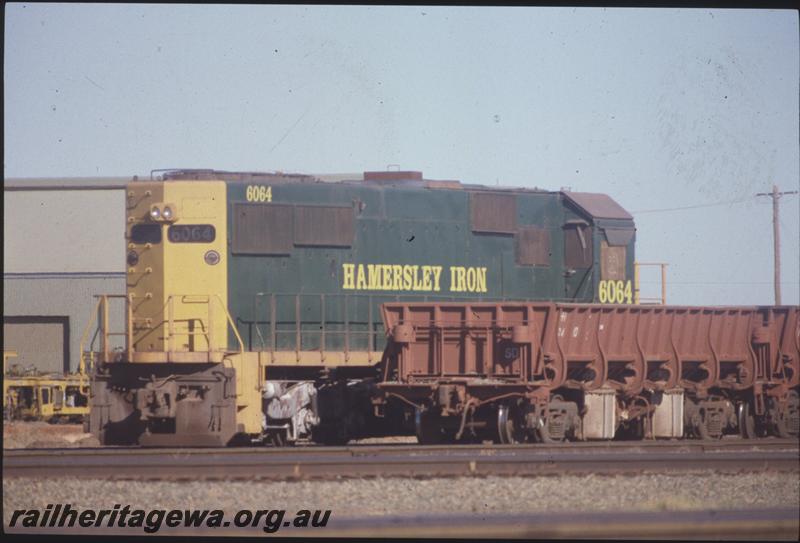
(41, 435)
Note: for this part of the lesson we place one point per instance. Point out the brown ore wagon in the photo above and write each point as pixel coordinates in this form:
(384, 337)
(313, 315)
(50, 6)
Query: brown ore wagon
(516, 372)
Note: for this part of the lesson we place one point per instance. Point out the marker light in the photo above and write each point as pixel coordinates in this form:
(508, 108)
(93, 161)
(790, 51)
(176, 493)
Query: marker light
(155, 213)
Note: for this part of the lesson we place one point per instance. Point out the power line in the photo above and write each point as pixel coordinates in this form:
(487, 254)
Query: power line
(712, 204)
(776, 196)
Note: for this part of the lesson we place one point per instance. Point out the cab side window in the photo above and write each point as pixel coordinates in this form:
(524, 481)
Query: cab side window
(578, 246)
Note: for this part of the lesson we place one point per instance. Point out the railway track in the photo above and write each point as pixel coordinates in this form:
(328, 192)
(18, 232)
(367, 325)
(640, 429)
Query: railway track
(744, 525)
(780, 524)
(404, 460)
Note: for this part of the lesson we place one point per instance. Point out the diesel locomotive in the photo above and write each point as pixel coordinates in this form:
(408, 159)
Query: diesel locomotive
(253, 303)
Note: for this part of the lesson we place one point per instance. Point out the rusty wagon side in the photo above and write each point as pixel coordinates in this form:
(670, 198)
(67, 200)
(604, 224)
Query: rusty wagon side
(519, 371)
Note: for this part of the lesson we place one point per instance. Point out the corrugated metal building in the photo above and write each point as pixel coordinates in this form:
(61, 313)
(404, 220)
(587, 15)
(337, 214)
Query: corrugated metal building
(63, 243)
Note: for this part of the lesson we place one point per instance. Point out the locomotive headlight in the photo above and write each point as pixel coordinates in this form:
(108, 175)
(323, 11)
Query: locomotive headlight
(155, 213)
(167, 214)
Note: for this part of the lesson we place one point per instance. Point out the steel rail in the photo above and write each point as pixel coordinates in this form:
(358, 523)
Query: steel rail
(687, 445)
(748, 525)
(736, 524)
(402, 461)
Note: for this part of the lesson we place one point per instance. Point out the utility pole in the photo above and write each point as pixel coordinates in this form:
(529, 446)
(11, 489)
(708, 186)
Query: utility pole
(775, 195)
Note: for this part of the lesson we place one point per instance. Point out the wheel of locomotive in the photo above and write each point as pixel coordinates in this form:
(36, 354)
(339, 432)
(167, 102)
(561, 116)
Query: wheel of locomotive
(429, 428)
(787, 420)
(747, 422)
(511, 424)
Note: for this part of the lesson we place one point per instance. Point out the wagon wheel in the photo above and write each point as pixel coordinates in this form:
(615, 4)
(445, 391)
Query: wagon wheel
(510, 425)
(747, 423)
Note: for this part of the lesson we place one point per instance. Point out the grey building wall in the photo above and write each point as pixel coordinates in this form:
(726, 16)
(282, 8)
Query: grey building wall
(63, 242)
(64, 231)
(29, 297)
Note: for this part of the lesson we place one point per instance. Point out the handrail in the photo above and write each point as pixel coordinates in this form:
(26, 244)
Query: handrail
(101, 307)
(233, 325)
(209, 333)
(84, 336)
(636, 280)
(100, 313)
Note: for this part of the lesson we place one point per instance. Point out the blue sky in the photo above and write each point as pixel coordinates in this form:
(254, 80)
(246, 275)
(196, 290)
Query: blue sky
(660, 108)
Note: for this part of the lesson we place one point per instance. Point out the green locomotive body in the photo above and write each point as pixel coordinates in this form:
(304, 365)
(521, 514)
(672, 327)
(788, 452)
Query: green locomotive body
(394, 236)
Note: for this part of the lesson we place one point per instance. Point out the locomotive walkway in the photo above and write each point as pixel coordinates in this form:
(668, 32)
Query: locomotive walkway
(406, 460)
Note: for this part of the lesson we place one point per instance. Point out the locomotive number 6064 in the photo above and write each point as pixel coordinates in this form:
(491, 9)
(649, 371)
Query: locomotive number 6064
(258, 193)
(615, 292)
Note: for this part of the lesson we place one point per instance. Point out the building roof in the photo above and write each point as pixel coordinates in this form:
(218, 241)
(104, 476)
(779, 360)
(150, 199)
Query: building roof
(599, 206)
(65, 183)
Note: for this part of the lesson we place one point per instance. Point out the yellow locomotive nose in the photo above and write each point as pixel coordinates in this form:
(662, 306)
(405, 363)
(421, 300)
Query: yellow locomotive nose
(176, 237)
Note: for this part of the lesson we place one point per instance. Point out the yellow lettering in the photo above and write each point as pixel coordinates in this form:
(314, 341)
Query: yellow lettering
(408, 277)
(437, 272)
(361, 282)
(426, 277)
(397, 276)
(386, 271)
(481, 280)
(374, 276)
(348, 272)
(471, 279)
(458, 279)
(258, 193)
(417, 284)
